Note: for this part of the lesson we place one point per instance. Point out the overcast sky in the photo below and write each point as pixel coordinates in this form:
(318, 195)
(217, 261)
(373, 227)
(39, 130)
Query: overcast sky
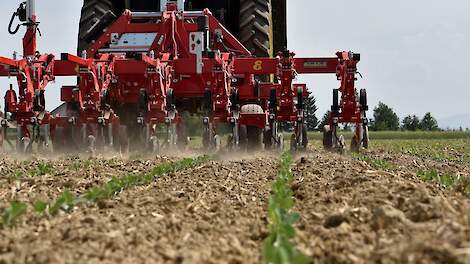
(414, 53)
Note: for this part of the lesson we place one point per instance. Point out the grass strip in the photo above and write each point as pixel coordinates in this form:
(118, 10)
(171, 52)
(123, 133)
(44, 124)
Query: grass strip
(67, 200)
(279, 247)
(447, 180)
(378, 164)
(400, 135)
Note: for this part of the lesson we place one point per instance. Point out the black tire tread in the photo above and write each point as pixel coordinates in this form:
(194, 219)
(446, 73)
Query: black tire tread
(91, 10)
(254, 137)
(256, 27)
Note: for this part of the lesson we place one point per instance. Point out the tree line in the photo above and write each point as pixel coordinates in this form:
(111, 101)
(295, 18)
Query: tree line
(384, 119)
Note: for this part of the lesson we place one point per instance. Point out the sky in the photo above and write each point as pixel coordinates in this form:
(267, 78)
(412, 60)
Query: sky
(414, 53)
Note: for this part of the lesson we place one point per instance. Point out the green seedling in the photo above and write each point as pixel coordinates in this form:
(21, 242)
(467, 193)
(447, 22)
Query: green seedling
(12, 214)
(442, 179)
(81, 164)
(378, 164)
(18, 174)
(42, 169)
(40, 206)
(117, 185)
(278, 246)
(65, 203)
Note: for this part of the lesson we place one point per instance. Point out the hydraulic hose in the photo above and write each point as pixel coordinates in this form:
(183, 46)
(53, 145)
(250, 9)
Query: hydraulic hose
(13, 32)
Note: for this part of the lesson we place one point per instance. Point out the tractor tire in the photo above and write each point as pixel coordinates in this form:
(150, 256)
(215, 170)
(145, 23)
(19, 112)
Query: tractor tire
(67, 141)
(256, 27)
(253, 134)
(92, 12)
(59, 139)
(268, 139)
(121, 140)
(254, 137)
(242, 132)
(182, 136)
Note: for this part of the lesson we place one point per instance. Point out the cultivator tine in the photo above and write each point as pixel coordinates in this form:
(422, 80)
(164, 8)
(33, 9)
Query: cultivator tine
(235, 140)
(4, 124)
(155, 145)
(109, 142)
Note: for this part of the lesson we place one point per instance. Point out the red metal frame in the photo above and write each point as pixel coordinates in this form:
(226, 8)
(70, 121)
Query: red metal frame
(33, 73)
(108, 78)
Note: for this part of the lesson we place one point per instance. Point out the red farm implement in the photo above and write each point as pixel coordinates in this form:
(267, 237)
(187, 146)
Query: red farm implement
(146, 68)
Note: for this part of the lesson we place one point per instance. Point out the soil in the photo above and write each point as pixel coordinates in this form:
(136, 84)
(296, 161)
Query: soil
(23, 180)
(217, 213)
(352, 213)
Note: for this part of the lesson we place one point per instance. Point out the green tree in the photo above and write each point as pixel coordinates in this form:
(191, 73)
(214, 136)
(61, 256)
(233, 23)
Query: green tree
(311, 119)
(324, 121)
(410, 122)
(385, 118)
(428, 123)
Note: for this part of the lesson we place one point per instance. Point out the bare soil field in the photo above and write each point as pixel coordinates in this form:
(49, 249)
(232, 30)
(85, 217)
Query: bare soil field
(28, 180)
(352, 213)
(214, 213)
(373, 207)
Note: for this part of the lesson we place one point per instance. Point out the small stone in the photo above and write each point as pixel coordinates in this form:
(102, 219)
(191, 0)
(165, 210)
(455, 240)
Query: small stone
(334, 220)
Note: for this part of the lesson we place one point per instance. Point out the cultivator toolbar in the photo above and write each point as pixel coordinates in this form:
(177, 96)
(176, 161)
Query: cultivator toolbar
(147, 68)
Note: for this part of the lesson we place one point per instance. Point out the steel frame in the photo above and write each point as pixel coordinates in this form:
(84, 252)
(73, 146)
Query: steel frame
(192, 57)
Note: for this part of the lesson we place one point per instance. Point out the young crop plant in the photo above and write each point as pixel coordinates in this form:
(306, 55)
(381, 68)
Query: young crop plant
(42, 169)
(12, 214)
(64, 202)
(81, 164)
(17, 174)
(278, 247)
(67, 200)
(444, 179)
(378, 164)
(117, 185)
(40, 206)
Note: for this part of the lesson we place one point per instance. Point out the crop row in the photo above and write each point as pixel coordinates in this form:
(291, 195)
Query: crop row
(279, 246)
(450, 181)
(67, 200)
(454, 182)
(445, 150)
(402, 135)
(376, 163)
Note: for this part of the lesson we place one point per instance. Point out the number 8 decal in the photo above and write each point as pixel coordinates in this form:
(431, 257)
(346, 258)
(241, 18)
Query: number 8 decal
(258, 66)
